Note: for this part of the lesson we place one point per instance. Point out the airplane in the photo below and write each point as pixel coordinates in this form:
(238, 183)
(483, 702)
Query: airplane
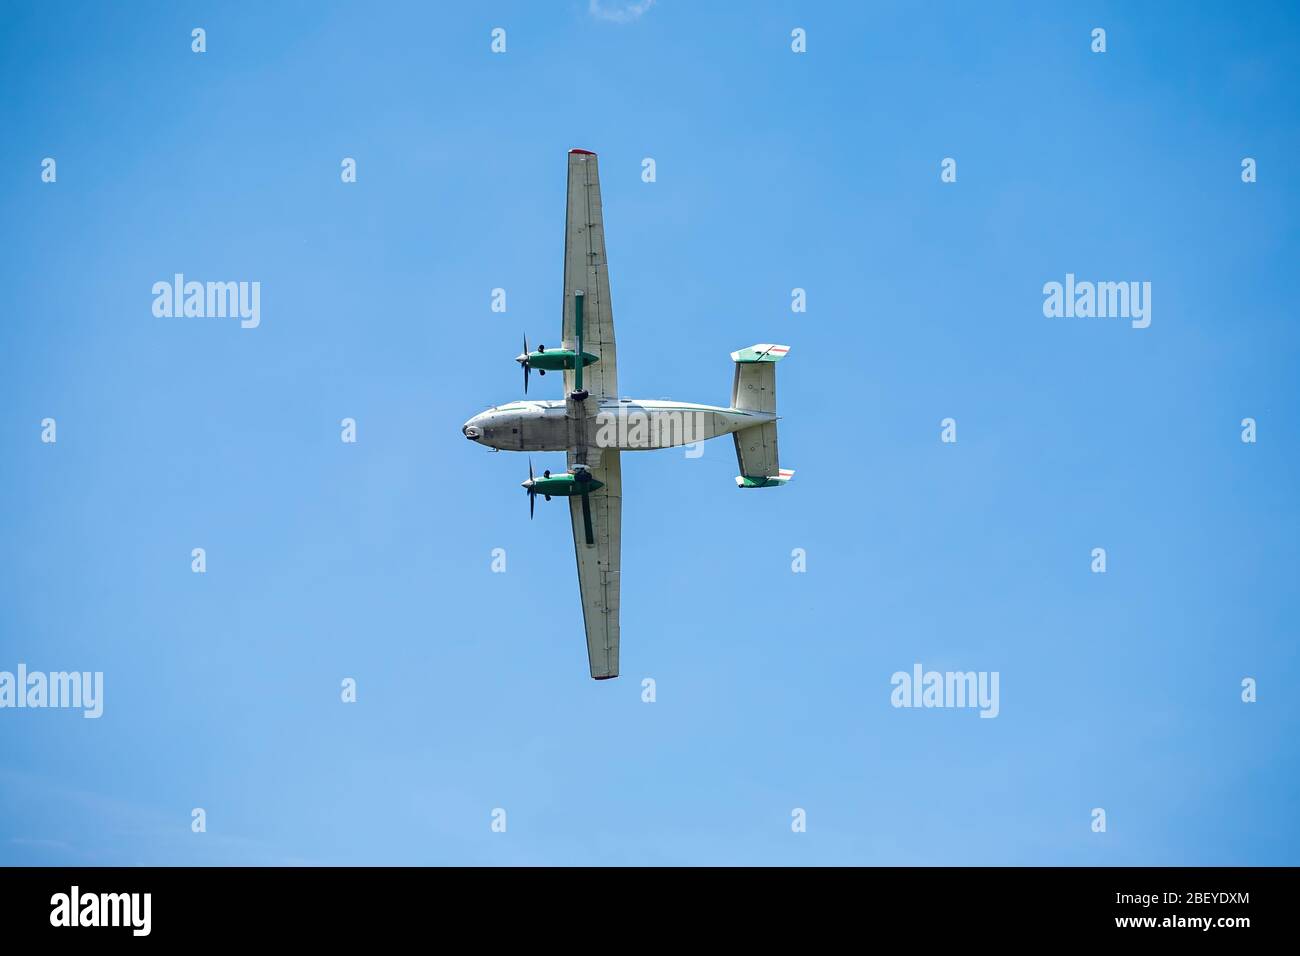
(594, 426)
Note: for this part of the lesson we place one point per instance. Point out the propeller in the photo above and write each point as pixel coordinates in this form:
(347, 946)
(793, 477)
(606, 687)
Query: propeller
(523, 360)
(528, 485)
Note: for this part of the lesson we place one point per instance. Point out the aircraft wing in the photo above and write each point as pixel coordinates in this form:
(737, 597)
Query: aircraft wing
(599, 565)
(585, 269)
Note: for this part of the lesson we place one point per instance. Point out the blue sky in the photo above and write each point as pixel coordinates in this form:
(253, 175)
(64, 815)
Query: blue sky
(775, 170)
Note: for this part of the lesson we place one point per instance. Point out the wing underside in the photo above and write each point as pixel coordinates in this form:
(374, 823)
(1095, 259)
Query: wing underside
(599, 562)
(597, 530)
(585, 270)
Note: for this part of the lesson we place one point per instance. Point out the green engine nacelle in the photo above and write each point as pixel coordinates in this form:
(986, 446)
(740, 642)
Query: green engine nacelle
(565, 485)
(559, 360)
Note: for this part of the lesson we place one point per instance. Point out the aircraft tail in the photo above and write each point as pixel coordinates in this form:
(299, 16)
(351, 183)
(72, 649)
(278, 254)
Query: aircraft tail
(754, 390)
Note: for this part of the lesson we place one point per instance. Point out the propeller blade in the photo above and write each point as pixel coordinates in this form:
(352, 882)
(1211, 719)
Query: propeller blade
(532, 495)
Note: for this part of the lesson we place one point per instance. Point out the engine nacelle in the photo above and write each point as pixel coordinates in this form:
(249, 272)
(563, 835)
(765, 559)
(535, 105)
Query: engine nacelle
(555, 360)
(577, 482)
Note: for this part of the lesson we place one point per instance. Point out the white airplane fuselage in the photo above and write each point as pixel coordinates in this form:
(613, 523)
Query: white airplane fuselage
(624, 423)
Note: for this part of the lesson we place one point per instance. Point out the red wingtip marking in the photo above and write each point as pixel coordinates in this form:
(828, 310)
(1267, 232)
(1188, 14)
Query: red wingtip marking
(585, 152)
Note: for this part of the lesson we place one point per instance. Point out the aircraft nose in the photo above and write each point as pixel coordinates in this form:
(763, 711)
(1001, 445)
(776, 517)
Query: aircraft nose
(472, 432)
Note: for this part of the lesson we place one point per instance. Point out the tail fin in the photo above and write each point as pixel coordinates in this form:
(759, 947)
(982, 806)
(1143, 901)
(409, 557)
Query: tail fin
(754, 390)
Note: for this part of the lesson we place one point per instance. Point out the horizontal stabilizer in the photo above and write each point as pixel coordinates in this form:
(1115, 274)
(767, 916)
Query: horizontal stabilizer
(753, 389)
(756, 454)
